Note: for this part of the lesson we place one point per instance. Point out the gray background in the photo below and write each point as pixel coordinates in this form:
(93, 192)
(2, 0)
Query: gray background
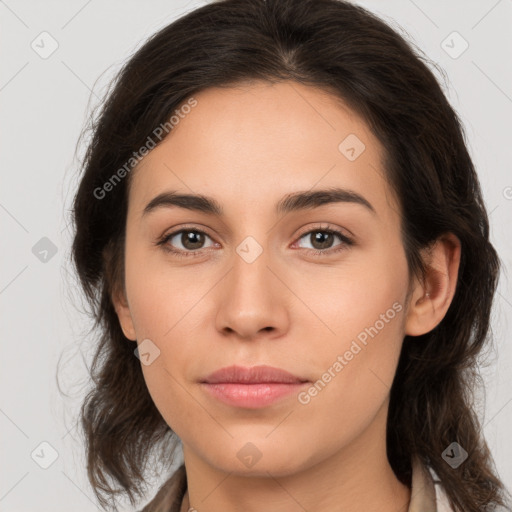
(44, 103)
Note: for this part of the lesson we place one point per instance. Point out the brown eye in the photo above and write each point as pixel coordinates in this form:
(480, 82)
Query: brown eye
(322, 241)
(192, 239)
(185, 240)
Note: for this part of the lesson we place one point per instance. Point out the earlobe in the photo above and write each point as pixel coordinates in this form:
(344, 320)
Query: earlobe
(123, 313)
(431, 299)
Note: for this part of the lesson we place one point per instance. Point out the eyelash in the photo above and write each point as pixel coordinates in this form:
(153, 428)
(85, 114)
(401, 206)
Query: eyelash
(347, 242)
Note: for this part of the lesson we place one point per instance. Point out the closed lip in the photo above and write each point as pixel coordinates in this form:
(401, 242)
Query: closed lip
(252, 375)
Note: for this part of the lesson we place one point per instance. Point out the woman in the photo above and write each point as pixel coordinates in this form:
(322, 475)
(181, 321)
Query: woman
(285, 243)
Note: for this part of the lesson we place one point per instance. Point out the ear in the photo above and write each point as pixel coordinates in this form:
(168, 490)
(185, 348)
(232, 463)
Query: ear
(429, 301)
(114, 269)
(123, 313)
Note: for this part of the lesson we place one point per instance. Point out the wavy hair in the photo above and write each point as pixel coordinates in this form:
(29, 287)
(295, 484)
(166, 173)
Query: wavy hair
(349, 52)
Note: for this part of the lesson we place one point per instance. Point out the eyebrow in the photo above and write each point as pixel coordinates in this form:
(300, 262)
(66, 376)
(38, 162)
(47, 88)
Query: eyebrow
(292, 202)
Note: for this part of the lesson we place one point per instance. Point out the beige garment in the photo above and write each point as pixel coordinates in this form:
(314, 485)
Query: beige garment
(427, 494)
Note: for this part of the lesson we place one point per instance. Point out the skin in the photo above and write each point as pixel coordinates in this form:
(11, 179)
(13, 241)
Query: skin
(247, 147)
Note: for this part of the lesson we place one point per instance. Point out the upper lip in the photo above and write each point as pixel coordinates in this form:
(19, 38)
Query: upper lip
(252, 375)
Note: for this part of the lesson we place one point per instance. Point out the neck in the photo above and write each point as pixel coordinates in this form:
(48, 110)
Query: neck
(357, 477)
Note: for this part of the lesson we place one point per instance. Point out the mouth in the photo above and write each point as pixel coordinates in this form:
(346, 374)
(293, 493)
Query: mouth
(253, 387)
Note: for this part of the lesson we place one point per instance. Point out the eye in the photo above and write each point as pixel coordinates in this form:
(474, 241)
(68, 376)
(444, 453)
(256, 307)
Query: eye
(322, 240)
(191, 241)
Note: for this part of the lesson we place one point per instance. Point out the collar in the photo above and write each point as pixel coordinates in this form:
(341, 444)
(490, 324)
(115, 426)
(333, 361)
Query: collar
(427, 493)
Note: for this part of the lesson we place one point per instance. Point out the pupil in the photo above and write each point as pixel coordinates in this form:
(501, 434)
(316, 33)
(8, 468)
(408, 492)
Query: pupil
(192, 239)
(324, 239)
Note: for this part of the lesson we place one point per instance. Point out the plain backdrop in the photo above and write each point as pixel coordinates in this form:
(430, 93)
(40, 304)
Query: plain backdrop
(45, 100)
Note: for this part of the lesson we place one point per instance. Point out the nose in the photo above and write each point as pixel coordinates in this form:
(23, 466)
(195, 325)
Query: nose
(252, 300)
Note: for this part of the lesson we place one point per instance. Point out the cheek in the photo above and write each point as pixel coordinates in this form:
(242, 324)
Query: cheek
(165, 304)
(362, 312)
(361, 360)
(354, 375)
(162, 297)
(362, 299)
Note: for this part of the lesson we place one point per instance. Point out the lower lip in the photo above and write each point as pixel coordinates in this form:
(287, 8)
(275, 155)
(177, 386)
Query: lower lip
(252, 396)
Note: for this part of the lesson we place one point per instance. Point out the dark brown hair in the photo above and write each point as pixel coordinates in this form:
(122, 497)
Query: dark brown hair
(347, 51)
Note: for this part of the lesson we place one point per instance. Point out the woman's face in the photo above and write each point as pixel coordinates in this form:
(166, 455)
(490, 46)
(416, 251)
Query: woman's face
(266, 285)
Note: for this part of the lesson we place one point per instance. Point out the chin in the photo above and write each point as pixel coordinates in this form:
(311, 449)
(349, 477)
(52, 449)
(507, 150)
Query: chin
(258, 458)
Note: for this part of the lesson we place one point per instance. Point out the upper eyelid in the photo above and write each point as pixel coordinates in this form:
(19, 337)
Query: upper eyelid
(326, 227)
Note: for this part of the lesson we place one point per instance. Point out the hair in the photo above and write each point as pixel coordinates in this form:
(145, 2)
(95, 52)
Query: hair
(349, 52)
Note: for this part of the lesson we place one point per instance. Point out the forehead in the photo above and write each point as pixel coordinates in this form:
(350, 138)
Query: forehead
(256, 142)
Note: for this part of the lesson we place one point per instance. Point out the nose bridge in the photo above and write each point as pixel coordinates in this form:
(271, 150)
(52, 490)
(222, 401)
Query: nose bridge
(249, 280)
(250, 299)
